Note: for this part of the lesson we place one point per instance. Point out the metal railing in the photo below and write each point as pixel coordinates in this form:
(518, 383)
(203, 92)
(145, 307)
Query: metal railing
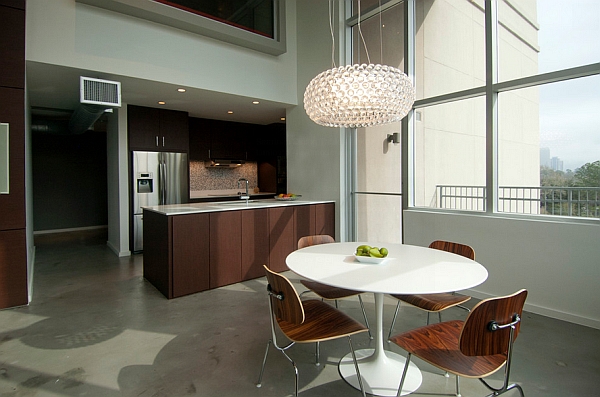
(549, 200)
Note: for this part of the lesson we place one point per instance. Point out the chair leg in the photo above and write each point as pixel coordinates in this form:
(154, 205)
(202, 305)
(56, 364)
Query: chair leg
(394, 320)
(497, 392)
(262, 370)
(457, 386)
(360, 383)
(406, 365)
(318, 354)
(362, 306)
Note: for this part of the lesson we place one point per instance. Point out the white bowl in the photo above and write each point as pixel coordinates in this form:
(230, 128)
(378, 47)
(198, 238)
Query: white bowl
(370, 259)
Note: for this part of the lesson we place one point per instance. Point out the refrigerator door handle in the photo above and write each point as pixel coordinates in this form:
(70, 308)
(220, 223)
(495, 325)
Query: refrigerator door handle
(164, 178)
(161, 182)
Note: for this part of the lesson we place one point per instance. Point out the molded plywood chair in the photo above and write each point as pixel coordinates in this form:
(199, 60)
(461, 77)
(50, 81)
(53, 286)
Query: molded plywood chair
(305, 321)
(435, 303)
(327, 291)
(474, 348)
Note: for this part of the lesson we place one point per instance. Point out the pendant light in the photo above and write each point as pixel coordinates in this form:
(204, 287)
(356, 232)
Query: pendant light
(358, 95)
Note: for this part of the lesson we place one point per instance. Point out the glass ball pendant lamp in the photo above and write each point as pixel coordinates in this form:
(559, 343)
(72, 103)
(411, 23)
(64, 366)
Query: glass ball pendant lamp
(360, 95)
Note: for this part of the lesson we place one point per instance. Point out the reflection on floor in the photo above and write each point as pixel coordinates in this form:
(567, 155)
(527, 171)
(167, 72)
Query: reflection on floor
(97, 328)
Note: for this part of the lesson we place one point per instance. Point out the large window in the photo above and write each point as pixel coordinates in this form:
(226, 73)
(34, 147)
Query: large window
(529, 103)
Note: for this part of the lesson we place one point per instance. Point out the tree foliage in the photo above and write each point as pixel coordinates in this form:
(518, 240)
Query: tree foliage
(588, 175)
(550, 177)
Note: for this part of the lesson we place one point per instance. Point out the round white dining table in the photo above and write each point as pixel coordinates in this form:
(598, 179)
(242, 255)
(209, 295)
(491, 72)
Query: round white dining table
(408, 269)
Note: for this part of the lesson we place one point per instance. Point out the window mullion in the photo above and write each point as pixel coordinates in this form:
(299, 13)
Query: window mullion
(491, 105)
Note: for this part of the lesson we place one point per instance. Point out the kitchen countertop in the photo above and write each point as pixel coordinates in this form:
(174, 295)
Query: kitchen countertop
(195, 208)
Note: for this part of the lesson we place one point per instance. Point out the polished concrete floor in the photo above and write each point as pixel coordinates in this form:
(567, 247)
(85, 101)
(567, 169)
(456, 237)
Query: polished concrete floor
(95, 327)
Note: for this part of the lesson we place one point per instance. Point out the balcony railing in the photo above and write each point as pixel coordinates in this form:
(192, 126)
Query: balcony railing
(549, 200)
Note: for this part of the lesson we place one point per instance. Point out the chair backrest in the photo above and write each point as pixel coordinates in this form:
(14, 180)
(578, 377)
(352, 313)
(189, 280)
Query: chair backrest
(285, 302)
(314, 240)
(477, 338)
(455, 248)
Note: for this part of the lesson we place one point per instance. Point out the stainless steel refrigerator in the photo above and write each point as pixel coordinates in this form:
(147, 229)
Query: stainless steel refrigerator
(158, 178)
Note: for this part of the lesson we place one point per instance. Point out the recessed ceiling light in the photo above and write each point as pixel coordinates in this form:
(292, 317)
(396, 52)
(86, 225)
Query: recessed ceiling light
(181, 90)
(255, 102)
(230, 112)
(162, 103)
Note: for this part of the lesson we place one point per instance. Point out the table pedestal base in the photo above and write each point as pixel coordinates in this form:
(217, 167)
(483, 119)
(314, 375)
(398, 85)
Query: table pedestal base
(380, 373)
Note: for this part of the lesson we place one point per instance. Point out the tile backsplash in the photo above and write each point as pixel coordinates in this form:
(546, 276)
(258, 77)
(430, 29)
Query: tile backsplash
(203, 178)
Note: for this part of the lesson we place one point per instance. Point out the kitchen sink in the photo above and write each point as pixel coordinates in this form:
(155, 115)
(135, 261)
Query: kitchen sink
(242, 203)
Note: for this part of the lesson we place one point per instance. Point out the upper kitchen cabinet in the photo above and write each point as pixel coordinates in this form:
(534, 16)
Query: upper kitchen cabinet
(266, 142)
(217, 139)
(200, 139)
(228, 140)
(159, 130)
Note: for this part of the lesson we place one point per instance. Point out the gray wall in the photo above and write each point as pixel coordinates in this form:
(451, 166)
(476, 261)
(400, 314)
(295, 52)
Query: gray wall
(69, 181)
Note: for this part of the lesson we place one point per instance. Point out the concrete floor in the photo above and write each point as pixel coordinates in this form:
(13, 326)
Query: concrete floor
(95, 327)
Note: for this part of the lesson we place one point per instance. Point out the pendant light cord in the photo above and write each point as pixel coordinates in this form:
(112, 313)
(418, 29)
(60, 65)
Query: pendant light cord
(380, 34)
(331, 13)
(361, 35)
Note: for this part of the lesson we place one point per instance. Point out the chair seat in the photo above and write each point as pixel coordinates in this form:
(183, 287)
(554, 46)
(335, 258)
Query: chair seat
(322, 322)
(437, 344)
(327, 291)
(433, 302)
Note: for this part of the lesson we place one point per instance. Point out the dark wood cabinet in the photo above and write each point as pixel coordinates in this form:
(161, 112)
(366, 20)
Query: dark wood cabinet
(20, 4)
(216, 139)
(228, 140)
(13, 241)
(304, 221)
(225, 248)
(13, 268)
(12, 213)
(325, 219)
(158, 262)
(189, 253)
(255, 243)
(12, 44)
(190, 248)
(159, 130)
(266, 143)
(281, 231)
(199, 134)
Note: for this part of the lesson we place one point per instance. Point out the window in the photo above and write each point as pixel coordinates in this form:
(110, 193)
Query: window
(254, 16)
(533, 108)
(449, 155)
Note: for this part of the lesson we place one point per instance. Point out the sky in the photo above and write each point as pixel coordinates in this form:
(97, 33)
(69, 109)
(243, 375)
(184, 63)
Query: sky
(569, 36)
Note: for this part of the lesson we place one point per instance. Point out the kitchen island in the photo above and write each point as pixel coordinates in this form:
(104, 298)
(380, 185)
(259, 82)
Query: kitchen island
(190, 248)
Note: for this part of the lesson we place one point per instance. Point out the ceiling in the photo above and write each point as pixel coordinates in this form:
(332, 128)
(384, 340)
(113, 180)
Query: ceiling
(54, 92)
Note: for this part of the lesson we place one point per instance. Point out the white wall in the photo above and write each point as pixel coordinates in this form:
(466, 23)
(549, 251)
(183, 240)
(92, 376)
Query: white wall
(557, 262)
(63, 32)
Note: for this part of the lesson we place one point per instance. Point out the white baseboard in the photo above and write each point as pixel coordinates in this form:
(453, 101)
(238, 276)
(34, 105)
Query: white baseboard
(548, 312)
(116, 251)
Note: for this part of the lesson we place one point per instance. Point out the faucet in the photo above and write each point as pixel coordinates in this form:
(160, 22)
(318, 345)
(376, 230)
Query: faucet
(247, 195)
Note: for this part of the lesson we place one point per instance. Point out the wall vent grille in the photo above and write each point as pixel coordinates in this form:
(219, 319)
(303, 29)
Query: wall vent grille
(100, 92)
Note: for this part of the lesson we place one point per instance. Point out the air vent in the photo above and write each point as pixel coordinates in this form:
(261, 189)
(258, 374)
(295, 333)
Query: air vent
(100, 92)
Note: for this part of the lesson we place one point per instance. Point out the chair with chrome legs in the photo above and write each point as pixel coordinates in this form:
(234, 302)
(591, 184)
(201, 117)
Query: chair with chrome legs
(436, 303)
(305, 321)
(325, 291)
(474, 348)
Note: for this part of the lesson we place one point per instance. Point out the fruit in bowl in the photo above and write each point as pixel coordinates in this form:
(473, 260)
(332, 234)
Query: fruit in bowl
(287, 196)
(373, 252)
